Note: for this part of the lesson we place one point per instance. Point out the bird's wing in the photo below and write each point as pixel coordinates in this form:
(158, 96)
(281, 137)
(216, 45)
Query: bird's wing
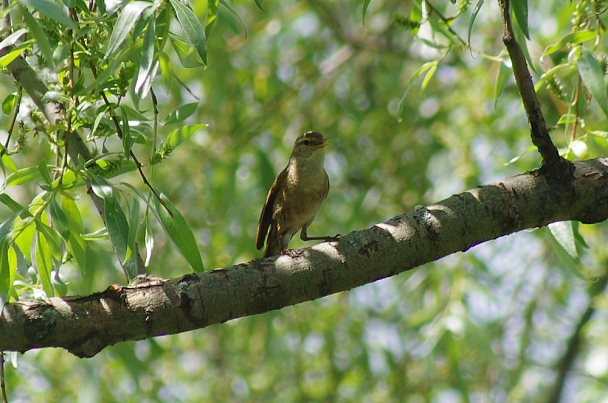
(267, 211)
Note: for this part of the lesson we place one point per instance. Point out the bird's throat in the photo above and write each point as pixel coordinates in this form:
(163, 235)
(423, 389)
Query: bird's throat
(307, 172)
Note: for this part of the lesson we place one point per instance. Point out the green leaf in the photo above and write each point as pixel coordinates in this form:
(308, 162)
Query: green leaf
(516, 158)
(439, 25)
(134, 114)
(100, 116)
(44, 263)
(60, 54)
(421, 70)
(112, 168)
(23, 176)
(8, 104)
(542, 81)
(233, 11)
(186, 53)
(574, 38)
(428, 76)
(126, 20)
(566, 119)
(6, 271)
(100, 186)
(128, 139)
(24, 231)
(504, 73)
(99, 235)
(15, 52)
(415, 20)
(192, 28)
(60, 220)
(7, 162)
(593, 77)
(523, 44)
(11, 203)
(12, 39)
(76, 244)
(259, 4)
(520, 9)
(118, 231)
(180, 135)
(114, 218)
(364, 10)
(577, 235)
(41, 38)
(474, 14)
(149, 239)
(180, 114)
(212, 8)
(562, 236)
(45, 173)
(116, 60)
(53, 239)
(166, 69)
(175, 226)
(6, 228)
(134, 224)
(148, 65)
(50, 9)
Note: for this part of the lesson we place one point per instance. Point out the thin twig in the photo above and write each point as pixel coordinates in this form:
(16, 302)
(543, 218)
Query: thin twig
(446, 22)
(11, 126)
(119, 133)
(552, 161)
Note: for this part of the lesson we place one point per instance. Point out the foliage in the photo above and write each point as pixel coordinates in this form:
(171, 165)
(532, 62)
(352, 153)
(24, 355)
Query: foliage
(104, 85)
(418, 103)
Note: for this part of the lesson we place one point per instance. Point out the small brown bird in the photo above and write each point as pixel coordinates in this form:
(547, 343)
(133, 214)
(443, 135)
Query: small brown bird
(295, 196)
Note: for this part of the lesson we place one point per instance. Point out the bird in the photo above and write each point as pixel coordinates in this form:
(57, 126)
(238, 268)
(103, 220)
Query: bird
(295, 197)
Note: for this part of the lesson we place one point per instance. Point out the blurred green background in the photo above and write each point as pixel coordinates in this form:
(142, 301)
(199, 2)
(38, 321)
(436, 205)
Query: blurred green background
(491, 324)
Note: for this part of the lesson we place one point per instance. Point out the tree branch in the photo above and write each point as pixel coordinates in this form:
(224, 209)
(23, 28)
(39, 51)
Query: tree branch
(556, 166)
(152, 306)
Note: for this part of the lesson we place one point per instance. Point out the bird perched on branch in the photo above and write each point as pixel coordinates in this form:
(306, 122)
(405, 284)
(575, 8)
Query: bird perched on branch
(295, 196)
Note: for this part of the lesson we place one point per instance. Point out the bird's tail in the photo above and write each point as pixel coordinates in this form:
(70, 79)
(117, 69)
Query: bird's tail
(273, 246)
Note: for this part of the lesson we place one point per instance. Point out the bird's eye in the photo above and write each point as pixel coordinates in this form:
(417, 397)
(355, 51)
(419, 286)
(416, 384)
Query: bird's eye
(306, 142)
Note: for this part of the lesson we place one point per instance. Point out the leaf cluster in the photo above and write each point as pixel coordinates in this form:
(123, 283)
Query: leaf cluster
(102, 60)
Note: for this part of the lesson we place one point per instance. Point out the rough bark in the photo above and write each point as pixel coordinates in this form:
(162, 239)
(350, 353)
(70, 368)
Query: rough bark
(152, 306)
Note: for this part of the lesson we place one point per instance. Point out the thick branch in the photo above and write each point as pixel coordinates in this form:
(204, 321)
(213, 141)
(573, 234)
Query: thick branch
(540, 134)
(152, 306)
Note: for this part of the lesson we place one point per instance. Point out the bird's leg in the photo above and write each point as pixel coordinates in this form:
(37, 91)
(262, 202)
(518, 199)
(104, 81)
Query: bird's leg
(304, 236)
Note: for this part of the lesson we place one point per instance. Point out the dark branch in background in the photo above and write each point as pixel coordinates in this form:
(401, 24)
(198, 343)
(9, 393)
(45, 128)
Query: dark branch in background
(334, 20)
(27, 78)
(553, 164)
(2, 382)
(564, 366)
(5, 23)
(153, 306)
